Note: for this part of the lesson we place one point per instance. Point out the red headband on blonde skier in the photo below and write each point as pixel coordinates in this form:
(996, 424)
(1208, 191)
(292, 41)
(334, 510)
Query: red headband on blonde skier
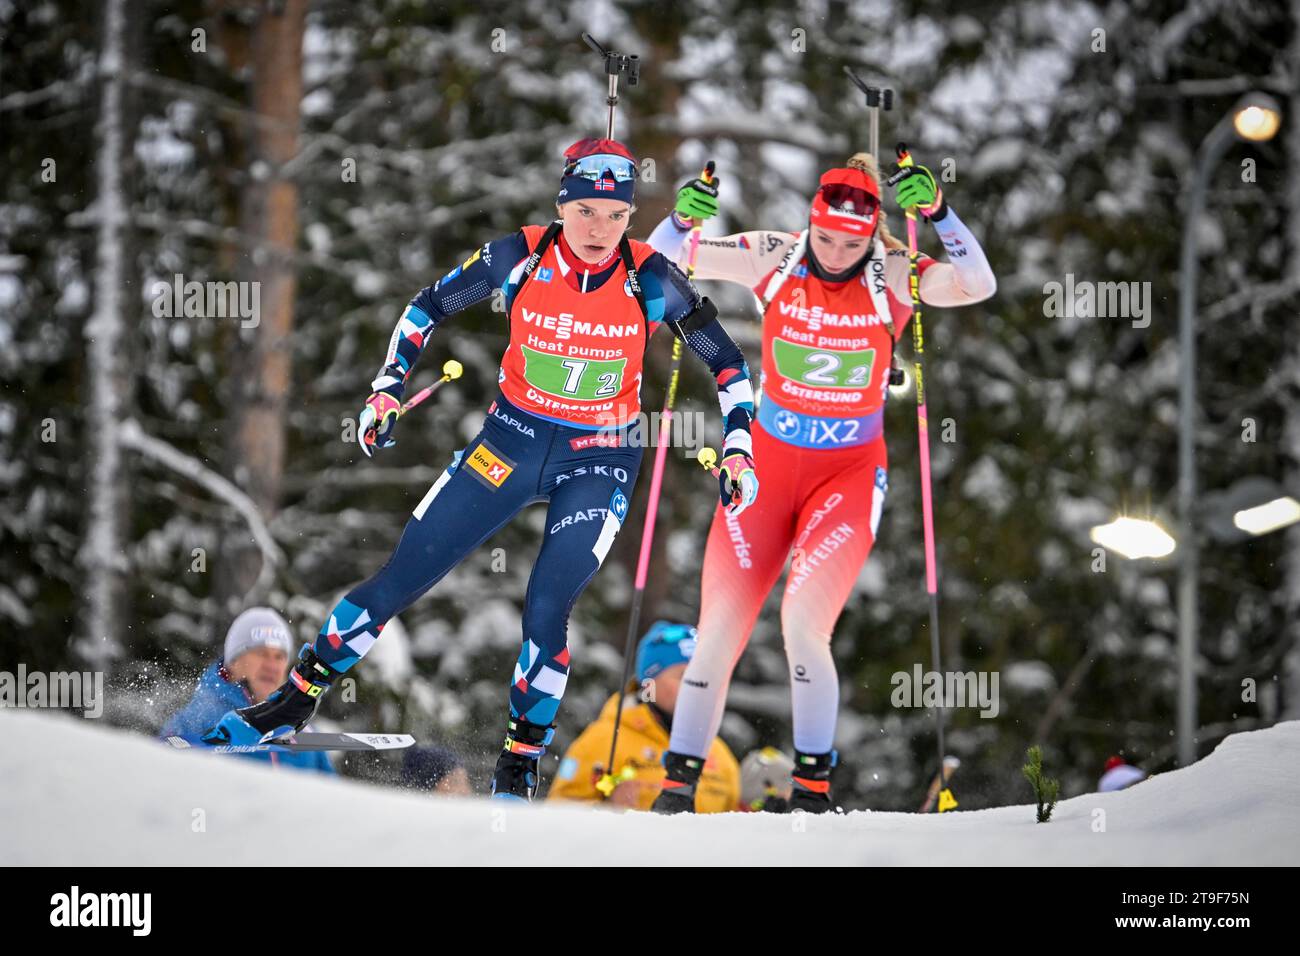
(847, 199)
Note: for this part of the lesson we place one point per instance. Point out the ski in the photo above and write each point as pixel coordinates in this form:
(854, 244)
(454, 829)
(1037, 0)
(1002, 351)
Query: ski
(299, 743)
(942, 781)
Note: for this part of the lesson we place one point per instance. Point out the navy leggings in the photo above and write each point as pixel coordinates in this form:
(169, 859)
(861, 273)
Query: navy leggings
(515, 459)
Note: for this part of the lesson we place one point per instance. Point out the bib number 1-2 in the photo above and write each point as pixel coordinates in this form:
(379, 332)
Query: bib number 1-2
(587, 379)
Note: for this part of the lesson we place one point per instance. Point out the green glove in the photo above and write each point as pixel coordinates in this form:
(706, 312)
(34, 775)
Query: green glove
(698, 199)
(915, 186)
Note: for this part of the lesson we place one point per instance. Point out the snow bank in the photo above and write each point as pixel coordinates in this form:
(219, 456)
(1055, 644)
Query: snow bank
(74, 792)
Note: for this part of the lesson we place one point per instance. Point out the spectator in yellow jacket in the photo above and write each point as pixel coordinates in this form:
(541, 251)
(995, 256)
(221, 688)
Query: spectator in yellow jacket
(643, 737)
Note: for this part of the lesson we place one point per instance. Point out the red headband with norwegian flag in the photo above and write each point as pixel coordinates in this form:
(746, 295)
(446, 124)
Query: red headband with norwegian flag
(847, 199)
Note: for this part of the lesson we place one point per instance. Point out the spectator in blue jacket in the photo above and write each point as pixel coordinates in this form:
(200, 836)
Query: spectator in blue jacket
(254, 662)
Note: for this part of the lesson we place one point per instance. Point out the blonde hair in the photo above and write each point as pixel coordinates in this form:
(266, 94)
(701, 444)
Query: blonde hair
(867, 163)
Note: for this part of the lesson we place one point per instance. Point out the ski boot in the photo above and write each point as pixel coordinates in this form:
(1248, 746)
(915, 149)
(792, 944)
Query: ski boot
(812, 782)
(516, 776)
(286, 711)
(678, 794)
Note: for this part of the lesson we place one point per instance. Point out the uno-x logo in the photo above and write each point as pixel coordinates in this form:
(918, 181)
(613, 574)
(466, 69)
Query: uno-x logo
(490, 466)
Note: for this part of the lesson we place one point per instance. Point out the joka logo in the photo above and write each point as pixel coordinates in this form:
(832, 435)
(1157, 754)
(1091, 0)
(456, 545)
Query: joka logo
(491, 467)
(878, 284)
(618, 504)
(543, 274)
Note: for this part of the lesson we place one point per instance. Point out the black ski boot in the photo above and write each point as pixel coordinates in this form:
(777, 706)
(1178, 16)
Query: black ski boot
(286, 711)
(516, 776)
(678, 794)
(812, 782)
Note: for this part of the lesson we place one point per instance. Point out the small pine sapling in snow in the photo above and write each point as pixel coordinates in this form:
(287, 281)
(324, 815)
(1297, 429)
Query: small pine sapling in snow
(1046, 789)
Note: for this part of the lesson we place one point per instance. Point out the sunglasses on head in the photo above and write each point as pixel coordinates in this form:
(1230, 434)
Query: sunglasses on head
(602, 166)
(844, 200)
(671, 635)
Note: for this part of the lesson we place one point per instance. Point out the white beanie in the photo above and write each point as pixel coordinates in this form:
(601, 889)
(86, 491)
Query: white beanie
(1120, 777)
(257, 627)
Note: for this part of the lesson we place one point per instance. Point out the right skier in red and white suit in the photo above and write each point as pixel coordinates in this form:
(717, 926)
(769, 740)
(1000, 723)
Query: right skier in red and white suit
(834, 300)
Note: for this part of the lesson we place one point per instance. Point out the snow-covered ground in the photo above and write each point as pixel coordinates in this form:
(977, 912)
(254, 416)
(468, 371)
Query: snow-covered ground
(75, 792)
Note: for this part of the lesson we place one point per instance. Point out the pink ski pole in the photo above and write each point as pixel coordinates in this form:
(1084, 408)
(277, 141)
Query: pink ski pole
(609, 781)
(923, 442)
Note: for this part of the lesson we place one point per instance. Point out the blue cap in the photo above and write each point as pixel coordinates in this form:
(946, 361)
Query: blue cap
(665, 645)
(608, 186)
(575, 187)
